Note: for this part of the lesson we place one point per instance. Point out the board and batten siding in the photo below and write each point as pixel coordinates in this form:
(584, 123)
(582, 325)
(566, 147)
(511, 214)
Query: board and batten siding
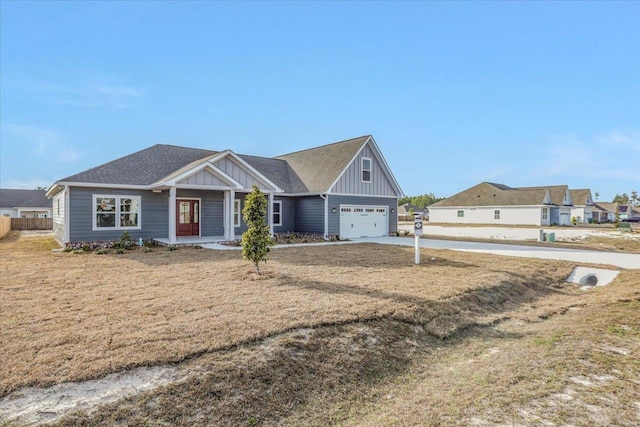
(335, 201)
(58, 215)
(203, 177)
(309, 215)
(350, 182)
(211, 210)
(239, 173)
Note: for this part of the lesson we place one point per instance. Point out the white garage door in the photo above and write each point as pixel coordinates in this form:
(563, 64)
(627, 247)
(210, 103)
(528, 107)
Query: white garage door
(363, 221)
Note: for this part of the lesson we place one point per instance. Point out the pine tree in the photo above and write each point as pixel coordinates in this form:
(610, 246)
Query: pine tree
(256, 241)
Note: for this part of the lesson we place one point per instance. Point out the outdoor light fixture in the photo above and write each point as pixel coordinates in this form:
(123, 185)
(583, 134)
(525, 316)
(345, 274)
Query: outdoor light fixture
(333, 209)
(393, 210)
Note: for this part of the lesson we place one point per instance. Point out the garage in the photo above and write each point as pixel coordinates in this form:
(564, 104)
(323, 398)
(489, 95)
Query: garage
(363, 221)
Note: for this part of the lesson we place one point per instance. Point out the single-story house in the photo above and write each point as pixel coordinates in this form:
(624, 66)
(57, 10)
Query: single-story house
(25, 203)
(407, 211)
(582, 209)
(626, 211)
(604, 211)
(491, 203)
(167, 192)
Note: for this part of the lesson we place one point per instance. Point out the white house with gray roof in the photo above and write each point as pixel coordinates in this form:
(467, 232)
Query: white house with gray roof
(18, 203)
(172, 193)
(491, 203)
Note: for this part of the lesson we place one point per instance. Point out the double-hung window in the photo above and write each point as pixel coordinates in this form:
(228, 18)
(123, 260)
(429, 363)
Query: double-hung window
(237, 213)
(460, 214)
(116, 212)
(277, 212)
(496, 214)
(366, 169)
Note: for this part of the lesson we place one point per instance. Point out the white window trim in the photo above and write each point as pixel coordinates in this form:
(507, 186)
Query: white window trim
(237, 205)
(362, 169)
(117, 225)
(459, 212)
(277, 202)
(496, 214)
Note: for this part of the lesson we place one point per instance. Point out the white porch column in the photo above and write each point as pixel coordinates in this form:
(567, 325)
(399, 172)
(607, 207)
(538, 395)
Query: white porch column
(172, 214)
(229, 231)
(270, 213)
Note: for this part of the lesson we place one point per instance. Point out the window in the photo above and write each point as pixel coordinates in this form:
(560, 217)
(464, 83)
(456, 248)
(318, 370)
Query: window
(277, 212)
(237, 213)
(58, 206)
(496, 214)
(545, 213)
(116, 212)
(366, 169)
(460, 214)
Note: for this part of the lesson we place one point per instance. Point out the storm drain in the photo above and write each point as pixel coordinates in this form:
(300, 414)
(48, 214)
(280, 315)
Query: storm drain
(588, 277)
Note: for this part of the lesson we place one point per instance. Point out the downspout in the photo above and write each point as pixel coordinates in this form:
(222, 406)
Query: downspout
(67, 215)
(326, 215)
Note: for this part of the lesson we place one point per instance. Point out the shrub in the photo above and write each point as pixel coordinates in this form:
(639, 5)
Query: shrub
(100, 251)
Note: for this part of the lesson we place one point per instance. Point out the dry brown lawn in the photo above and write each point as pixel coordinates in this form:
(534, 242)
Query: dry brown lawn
(351, 334)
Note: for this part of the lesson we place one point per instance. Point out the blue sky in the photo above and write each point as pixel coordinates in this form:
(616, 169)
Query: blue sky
(455, 93)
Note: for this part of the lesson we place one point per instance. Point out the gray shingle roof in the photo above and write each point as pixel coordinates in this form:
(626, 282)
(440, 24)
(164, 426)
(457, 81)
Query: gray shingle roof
(143, 167)
(491, 194)
(317, 168)
(10, 198)
(580, 197)
(306, 171)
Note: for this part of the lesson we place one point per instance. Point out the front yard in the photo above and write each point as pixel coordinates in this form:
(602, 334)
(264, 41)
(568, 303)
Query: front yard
(324, 325)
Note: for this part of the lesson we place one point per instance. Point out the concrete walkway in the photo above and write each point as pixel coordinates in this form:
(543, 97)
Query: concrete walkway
(623, 260)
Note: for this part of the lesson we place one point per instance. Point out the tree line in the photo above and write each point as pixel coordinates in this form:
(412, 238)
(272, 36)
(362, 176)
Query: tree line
(625, 199)
(422, 200)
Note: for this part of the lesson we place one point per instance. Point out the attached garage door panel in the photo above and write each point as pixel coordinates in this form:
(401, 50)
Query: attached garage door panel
(363, 221)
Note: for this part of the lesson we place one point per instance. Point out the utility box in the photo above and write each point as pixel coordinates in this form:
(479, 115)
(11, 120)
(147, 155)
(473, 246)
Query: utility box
(542, 236)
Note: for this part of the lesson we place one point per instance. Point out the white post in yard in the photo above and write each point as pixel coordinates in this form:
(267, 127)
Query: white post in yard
(417, 232)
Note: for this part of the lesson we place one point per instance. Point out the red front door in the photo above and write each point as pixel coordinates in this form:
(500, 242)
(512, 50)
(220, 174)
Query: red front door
(187, 217)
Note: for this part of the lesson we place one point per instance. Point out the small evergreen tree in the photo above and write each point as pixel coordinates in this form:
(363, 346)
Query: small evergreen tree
(256, 241)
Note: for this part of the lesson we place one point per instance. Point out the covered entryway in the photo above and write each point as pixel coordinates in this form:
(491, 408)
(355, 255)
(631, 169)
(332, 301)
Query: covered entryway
(187, 217)
(363, 221)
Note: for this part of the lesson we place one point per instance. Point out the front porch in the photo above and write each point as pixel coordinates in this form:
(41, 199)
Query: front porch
(193, 240)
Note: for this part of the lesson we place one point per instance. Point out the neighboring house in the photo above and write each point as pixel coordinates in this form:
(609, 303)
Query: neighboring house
(604, 211)
(626, 211)
(24, 203)
(582, 209)
(407, 211)
(168, 192)
(490, 203)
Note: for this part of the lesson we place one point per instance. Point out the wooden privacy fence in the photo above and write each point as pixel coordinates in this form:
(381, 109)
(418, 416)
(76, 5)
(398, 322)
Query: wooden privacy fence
(5, 225)
(32, 223)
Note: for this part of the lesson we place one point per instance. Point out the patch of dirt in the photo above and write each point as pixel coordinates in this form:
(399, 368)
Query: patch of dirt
(33, 406)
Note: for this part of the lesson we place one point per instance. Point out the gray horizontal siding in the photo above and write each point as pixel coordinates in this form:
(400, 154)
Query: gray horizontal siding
(334, 218)
(153, 215)
(309, 215)
(211, 210)
(288, 215)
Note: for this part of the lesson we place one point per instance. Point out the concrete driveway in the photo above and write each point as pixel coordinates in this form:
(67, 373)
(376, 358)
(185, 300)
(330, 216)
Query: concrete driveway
(623, 260)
